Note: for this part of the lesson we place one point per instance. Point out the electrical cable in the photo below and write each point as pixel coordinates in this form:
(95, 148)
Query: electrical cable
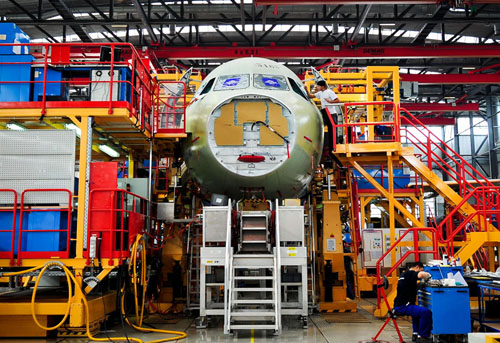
(72, 281)
(270, 128)
(102, 298)
(139, 318)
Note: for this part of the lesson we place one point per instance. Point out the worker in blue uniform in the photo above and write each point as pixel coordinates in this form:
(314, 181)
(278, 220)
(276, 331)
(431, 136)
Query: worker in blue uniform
(405, 302)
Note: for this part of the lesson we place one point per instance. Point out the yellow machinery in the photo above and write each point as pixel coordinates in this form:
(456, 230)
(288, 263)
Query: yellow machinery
(129, 116)
(374, 128)
(369, 85)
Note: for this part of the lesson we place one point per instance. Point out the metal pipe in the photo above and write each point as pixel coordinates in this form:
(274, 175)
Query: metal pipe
(150, 180)
(329, 186)
(87, 182)
(361, 21)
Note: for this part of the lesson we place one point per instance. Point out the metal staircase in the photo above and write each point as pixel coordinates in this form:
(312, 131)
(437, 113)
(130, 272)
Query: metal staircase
(253, 293)
(474, 201)
(254, 232)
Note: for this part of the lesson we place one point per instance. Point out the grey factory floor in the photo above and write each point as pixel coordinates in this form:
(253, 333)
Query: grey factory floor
(321, 328)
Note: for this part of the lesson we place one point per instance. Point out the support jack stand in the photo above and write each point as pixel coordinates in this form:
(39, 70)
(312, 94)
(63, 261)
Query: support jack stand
(391, 315)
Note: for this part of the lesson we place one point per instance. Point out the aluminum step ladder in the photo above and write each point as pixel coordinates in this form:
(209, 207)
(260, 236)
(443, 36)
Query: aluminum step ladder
(193, 275)
(253, 301)
(254, 232)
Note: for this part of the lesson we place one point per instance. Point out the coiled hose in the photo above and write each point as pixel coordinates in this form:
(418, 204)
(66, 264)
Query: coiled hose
(72, 281)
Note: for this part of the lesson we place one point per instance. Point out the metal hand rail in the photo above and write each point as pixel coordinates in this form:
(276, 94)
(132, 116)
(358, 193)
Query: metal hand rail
(433, 142)
(227, 270)
(350, 128)
(119, 221)
(140, 87)
(482, 209)
(277, 269)
(24, 209)
(172, 110)
(434, 251)
(10, 253)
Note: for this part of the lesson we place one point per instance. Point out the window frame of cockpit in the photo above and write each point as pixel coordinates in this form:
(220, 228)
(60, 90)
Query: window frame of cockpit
(210, 84)
(227, 77)
(282, 77)
(300, 89)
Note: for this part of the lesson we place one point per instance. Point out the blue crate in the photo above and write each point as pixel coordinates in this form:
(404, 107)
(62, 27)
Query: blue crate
(450, 308)
(35, 241)
(401, 180)
(15, 72)
(10, 33)
(53, 91)
(45, 241)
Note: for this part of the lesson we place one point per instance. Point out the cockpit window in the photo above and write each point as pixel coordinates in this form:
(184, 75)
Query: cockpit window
(207, 87)
(232, 82)
(276, 82)
(297, 88)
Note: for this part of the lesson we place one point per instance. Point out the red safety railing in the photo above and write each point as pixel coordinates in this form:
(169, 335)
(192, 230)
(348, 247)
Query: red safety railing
(122, 170)
(61, 67)
(416, 251)
(36, 235)
(116, 216)
(357, 132)
(8, 232)
(162, 175)
(440, 156)
(170, 107)
(486, 215)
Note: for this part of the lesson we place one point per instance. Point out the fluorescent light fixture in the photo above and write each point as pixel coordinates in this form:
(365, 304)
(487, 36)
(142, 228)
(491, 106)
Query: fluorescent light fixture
(387, 24)
(73, 127)
(15, 126)
(468, 68)
(109, 151)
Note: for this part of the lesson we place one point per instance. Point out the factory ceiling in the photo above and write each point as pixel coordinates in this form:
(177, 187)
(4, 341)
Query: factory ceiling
(374, 26)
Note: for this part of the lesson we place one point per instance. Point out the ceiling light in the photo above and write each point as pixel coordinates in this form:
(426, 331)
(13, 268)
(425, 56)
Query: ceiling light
(15, 126)
(73, 127)
(109, 151)
(387, 24)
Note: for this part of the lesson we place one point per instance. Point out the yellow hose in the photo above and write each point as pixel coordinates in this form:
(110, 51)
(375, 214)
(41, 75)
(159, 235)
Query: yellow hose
(33, 297)
(71, 278)
(139, 318)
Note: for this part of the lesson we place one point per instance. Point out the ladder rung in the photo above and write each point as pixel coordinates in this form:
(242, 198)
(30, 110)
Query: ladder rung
(253, 301)
(253, 326)
(250, 256)
(253, 277)
(253, 289)
(257, 313)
